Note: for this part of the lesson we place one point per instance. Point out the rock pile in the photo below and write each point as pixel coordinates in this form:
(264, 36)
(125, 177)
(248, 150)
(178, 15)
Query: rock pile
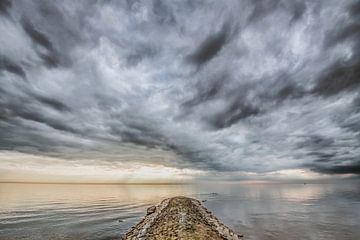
(180, 218)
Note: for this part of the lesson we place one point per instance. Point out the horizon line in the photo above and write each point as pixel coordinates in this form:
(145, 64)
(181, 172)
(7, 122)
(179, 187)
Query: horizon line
(99, 183)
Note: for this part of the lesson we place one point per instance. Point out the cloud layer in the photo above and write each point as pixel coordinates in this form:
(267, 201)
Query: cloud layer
(234, 86)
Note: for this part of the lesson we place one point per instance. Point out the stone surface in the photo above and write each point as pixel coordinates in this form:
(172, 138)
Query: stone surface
(180, 218)
(151, 210)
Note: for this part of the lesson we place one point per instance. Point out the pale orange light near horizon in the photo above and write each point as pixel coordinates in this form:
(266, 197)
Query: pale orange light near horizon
(29, 168)
(21, 167)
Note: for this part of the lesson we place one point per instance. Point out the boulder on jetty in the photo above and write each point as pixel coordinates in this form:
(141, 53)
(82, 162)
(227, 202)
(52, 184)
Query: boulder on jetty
(180, 218)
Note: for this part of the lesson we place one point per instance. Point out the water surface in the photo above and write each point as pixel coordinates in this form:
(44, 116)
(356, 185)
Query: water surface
(259, 211)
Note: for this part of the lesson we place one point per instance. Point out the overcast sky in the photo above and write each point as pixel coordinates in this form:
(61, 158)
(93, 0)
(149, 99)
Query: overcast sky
(199, 89)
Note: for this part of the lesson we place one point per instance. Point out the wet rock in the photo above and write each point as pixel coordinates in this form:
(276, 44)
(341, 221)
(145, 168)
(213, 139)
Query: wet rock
(180, 218)
(151, 210)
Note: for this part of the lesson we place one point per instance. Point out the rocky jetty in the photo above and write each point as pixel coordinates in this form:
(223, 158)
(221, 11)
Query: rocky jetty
(180, 218)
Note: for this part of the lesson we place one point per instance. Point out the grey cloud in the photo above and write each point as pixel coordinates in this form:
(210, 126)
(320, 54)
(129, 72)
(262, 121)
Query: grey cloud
(354, 8)
(21, 111)
(341, 75)
(321, 148)
(353, 124)
(4, 6)
(50, 57)
(140, 53)
(50, 122)
(207, 92)
(163, 13)
(342, 34)
(138, 133)
(263, 8)
(298, 8)
(238, 106)
(35, 35)
(53, 103)
(356, 104)
(340, 169)
(233, 113)
(317, 142)
(12, 67)
(290, 91)
(337, 78)
(211, 46)
(275, 83)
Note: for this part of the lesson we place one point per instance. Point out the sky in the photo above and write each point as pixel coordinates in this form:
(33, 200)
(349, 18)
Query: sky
(183, 90)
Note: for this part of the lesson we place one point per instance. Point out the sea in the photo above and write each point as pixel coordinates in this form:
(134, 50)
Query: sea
(259, 211)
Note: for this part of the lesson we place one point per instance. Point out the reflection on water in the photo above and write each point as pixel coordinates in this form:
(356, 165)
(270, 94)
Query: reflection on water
(259, 211)
(290, 211)
(60, 211)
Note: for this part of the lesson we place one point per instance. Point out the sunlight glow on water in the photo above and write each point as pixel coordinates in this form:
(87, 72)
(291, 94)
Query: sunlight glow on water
(259, 211)
(51, 211)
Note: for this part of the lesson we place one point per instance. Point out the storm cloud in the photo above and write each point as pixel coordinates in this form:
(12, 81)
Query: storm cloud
(219, 86)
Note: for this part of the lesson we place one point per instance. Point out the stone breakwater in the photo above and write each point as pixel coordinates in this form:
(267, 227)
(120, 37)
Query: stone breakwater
(180, 218)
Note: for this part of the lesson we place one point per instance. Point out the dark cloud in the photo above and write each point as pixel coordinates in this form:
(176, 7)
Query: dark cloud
(298, 8)
(355, 8)
(53, 103)
(35, 35)
(31, 115)
(50, 57)
(237, 106)
(139, 134)
(316, 142)
(49, 122)
(275, 84)
(12, 67)
(234, 110)
(141, 53)
(356, 104)
(340, 169)
(233, 114)
(17, 109)
(290, 91)
(342, 34)
(323, 157)
(206, 92)
(262, 9)
(341, 75)
(4, 6)
(353, 124)
(338, 77)
(211, 46)
(163, 13)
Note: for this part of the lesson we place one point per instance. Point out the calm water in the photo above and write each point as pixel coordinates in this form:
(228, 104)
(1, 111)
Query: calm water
(259, 211)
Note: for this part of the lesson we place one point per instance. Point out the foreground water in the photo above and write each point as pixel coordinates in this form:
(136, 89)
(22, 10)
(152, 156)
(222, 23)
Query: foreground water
(259, 211)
